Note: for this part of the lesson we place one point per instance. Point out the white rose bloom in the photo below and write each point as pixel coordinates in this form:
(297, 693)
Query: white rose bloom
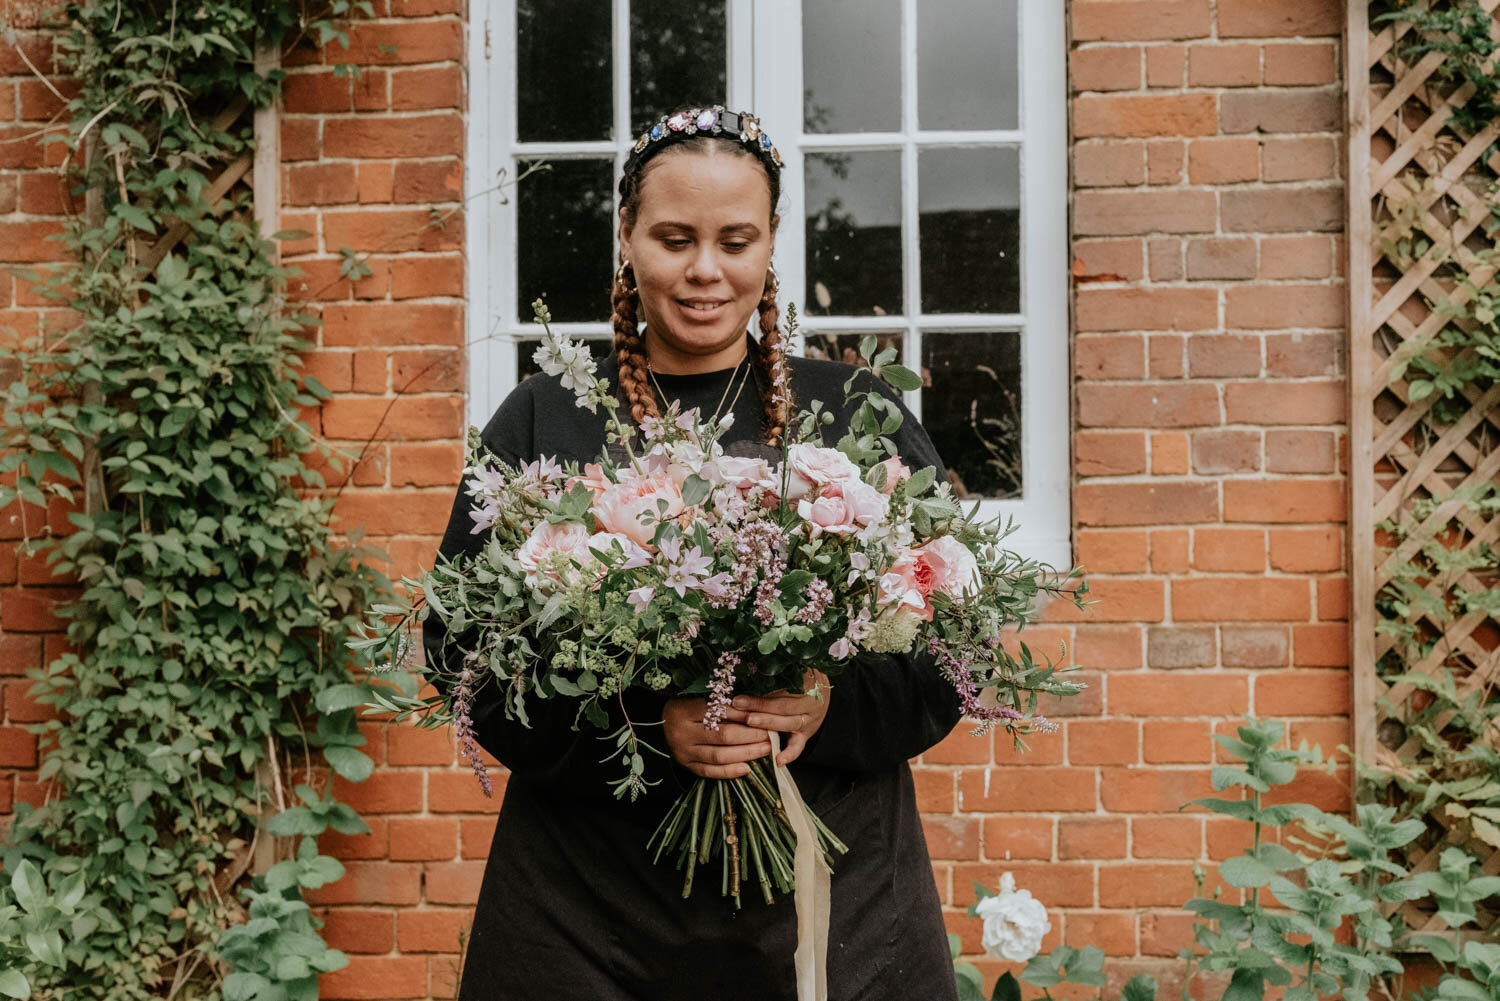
(1014, 922)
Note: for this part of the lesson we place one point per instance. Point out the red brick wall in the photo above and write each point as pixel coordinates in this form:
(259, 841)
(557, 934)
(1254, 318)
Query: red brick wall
(1210, 434)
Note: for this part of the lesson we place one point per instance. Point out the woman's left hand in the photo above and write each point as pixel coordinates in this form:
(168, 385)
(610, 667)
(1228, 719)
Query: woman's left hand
(797, 714)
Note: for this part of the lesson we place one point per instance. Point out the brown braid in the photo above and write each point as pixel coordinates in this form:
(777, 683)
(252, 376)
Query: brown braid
(769, 357)
(630, 350)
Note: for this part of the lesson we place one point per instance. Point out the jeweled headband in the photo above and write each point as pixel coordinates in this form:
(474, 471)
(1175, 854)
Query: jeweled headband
(714, 121)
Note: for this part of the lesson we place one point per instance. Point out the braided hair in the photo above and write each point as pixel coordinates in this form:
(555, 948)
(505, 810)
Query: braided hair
(630, 347)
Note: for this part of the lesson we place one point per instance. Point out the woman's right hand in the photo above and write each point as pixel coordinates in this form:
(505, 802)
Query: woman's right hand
(724, 753)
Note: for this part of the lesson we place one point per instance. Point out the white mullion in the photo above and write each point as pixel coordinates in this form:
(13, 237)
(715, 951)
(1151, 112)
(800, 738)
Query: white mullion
(893, 140)
(855, 324)
(778, 102)
(557, 148)
(971, 322)
(911, 260)
(623, 138)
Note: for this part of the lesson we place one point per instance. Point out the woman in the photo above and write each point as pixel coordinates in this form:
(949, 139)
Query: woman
(571, 906)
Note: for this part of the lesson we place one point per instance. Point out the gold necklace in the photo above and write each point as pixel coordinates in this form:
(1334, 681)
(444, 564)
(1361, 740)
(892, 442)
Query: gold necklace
(732, 376)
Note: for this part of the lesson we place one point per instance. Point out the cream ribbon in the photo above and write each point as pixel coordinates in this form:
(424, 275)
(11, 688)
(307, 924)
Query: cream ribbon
(811, 892)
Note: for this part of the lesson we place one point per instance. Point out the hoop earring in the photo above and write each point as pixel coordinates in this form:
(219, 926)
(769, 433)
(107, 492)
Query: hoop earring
(629, 288)
(773, 284)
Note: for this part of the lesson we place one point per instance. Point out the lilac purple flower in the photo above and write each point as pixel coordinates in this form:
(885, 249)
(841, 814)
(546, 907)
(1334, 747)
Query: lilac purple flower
(685, 568)
(819, 596)
(463, 729)
(720, 690)
(956, 671)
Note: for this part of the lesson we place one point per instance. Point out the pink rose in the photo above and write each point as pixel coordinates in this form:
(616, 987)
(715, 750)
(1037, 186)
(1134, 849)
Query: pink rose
(593, 477)
(895, 472)
(954, 568)
(634, 555)
(569, 538)
(826, 514)
(907, 583)
(814, 467)
(620, 507)
(746, 474)
(867, 506)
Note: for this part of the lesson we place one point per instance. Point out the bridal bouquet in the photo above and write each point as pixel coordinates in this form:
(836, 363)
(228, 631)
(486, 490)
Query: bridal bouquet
(677, 566)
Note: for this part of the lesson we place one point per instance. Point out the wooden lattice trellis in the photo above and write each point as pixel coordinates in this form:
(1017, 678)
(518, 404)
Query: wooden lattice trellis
(1410, 160)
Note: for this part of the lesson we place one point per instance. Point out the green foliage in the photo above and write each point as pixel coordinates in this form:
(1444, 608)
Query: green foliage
(207, 643)
(1462, 31)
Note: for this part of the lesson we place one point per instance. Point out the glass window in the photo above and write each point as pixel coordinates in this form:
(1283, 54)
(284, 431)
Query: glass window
(677, 57)
(969, 207)
(966, 65)
(851, 65)
(971, 408)
(563, 70)
(853, 233)
(565, 249)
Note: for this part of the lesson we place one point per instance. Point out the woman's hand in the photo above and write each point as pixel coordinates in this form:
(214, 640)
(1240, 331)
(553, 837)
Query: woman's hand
(799, 715)
(724, 753)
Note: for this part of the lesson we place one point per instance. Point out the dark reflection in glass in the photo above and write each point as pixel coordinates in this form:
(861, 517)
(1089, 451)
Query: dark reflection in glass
(678, 55)
(851, 65)
(971, 406)
(970, 230)
(844, 347)
(563, 70)
(966, 65)
(564, 239)
(853, 233)
(525, 367)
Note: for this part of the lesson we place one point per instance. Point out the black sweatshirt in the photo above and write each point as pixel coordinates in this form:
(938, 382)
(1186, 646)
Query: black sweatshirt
(571, 905)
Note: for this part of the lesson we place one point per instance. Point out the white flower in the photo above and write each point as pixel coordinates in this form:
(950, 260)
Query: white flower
(1014, 922)
(569, 359)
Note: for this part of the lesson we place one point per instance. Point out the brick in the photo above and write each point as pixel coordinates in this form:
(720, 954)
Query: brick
(1304, 64)
(301, 139)
(1068, 884)
(1018, 837)
(1220, 257)
(960, 748)
(320, 184)
(428, 181)
(408, 42)
(390, 231)
(1261, 307)
(1288, 18)
(424, 277)
(1280, 111)
(33, 610)
(30, 241)
(426, 464)
(420, 839)
(1220, 550)
(1116, 67)
(1218, 452)
(375, 185)
(372, 882)
(1166, 65)
(1121, 356)
(458, 792)
(1165, 254)
(21, 149)
(987, 790)
(1103, 742)
(1109, 453)
(1269, 402)
(1145, 885)
(411, 417)
(371, 373)
(452, 882)
(1241, 599)
(1108, 164)
(352, 930)
(371, 90)
(1194, 694)
(1092, 838)
(316, 92)
(1167, 837)
(1283, 210)
(1166, 934)
(1303, 693)
(1289, 257)
(1164, 356)
(1286, 501)
(428, 88)
(1320, 645)
(1143, 116)
(19, 653)
(475, 835)
(1107, 261)
(1108, 647)
(934, 789)
(1324, 735)
(1176, 742)
(367, 978)
(1123, 213)
(1151, 789)
(952, 837)
(1162, 404)
(1213, 64)
(1223, 355)
(383, 792)
(1139, 20)
(1304, 158)
(1225, 160)
(372, 845)
(17, 747)
(1295, 450)
(1117, 599)
(1307, 550)
(1179, 647)
(432, 930)
(1169, 551)
(1169, 454)
(1145, 503)
(1110, 931)
(1253, 646)
(393, 512)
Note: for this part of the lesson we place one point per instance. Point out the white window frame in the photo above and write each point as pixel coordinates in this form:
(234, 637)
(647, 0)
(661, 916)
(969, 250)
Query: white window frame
(772, 87)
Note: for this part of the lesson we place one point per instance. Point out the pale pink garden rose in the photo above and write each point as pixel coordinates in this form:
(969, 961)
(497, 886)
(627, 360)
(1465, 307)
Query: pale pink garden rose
(895, 472)
(593, 477)
(619, 508)
(635, 555)
(907, 584)
(867, 506)
(813, 467)
(568, 538)
(746, 474)
(829, 514)
(954, 568)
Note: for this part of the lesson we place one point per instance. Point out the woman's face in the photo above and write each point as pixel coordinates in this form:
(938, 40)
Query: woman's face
(700, 248)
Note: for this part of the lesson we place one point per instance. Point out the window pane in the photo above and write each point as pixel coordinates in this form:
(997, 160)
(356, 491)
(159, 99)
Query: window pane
(678, 55)
(971, 406)
(844, 347)
(563, 69)
(970, 221)
(966, 64)
(565, 244)
(851, 65)
(853, 233)
(526, 347)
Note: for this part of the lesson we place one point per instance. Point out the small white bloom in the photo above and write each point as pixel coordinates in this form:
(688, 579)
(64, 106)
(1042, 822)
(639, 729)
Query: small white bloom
(1014, 922)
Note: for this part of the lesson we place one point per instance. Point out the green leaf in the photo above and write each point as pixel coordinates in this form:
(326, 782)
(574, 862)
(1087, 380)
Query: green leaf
(297, 820)
(1141, 987)
(695, 490)
(13, 984)
(1007, 988)
(1243, 871)
(337, 698)
(1245, 985)
(29, 887)
(350, 763)
(901, 377)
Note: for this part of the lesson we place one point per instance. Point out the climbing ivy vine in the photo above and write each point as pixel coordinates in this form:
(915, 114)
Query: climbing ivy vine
(153, 452)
